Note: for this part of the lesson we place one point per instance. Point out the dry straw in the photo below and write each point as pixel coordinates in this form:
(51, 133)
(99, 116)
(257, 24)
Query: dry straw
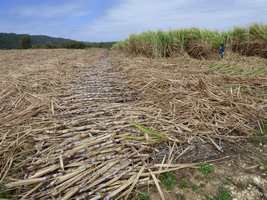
(105, 131)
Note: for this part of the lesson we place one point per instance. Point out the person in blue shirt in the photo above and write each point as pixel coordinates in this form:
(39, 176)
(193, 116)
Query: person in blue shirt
(221, 50)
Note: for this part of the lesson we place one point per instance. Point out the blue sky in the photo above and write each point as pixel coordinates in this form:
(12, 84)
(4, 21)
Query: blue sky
(109, 20)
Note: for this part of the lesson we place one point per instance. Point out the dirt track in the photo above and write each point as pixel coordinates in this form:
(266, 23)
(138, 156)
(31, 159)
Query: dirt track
(98, 91)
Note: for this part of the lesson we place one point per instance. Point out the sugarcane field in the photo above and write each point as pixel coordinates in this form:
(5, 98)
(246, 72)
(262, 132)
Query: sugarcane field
(162, 114)
(93, 124)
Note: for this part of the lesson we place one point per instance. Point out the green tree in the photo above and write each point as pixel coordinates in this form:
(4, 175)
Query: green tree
(74, 45)
(26, 42)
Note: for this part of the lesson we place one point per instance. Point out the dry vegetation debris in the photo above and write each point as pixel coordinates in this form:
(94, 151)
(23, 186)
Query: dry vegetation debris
(205, 102)
(88, 125)
(29, 82)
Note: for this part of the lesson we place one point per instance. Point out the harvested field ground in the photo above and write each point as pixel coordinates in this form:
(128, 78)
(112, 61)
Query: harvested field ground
(93, 124)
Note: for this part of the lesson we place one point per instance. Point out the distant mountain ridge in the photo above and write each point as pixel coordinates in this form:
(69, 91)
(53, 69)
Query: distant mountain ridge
(12, 40)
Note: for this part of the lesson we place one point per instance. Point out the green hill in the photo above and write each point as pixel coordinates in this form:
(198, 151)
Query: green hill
(13, 41)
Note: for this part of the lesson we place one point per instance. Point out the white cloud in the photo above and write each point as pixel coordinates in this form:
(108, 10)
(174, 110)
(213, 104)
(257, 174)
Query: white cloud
(132, 16)
(51, 11)
(76, 19)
